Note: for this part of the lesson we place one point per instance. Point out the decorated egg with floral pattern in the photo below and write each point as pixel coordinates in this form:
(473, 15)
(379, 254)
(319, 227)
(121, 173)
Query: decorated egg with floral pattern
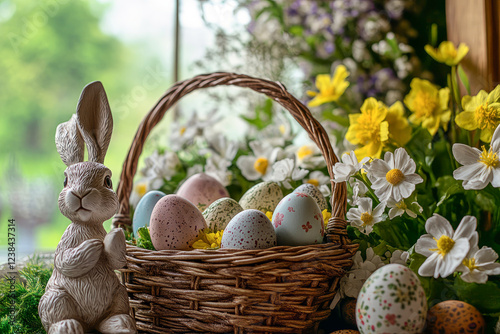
(298, 221)
(263, 196)
(391, 300)
(454, 316)
(249, 229)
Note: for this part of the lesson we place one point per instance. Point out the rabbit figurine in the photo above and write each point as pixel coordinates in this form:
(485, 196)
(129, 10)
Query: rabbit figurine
(84, 293)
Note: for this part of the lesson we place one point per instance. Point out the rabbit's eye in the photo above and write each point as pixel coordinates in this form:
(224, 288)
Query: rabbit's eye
(65, 181)
(107, 182)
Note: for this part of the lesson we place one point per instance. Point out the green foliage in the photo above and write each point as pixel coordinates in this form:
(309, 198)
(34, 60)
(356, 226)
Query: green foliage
(144, 239)
(263, 115)
(27, 291)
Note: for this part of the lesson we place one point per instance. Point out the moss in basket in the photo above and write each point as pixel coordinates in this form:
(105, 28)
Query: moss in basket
(28, 290)
(144, 239)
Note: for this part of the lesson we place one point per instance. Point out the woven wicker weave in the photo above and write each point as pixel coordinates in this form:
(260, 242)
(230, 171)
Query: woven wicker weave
(282, 289)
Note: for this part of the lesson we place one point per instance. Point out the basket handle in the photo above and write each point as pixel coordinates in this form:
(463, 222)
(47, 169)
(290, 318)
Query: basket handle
(336, 228)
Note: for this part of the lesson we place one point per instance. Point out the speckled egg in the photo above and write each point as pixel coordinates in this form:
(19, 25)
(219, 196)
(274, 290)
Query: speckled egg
(391, 300)
(454, 316)
(142, 213)
(315, 193)
(345, 331)
(220, 213)
(202, 190)
(249, 229)
(175, 223)
(348, 311)
(298, 221)
(263, 197)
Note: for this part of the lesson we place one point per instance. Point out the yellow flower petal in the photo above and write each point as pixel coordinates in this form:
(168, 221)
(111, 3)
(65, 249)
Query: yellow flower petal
(330, 88)
(494, 96)
(447, 53)
(466, 120)
(399, 128)
(486, 134)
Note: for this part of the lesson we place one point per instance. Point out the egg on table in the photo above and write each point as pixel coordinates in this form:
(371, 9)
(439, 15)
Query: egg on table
(263, 197)
(391, 300)
(314, 192)
(249, 229)
(175, 223)
(298, 221)
(454, 316)
(220, 213)
(144, 208)
(202, 190)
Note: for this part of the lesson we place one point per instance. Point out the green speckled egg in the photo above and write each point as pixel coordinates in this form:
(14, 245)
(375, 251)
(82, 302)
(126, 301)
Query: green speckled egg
(263, 197)
(220, 213)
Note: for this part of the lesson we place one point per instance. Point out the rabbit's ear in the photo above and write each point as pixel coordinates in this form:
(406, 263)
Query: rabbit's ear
(69, 142)
(95, 120)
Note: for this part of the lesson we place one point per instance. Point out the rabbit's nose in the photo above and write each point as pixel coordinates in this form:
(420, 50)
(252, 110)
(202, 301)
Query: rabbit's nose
(80, 193)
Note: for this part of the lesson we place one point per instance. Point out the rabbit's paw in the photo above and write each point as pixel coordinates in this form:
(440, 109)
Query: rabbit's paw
(115, 249)
(118, 324)
(75, 262)
(68, 326)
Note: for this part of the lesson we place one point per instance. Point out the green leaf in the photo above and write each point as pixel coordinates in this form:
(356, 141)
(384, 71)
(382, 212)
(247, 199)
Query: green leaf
(447, 186)
(263, 115)
(485, 297)
(463, 78)
(144, 239)
(341, 120)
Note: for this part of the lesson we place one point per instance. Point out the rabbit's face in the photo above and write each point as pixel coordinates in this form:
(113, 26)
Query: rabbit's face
(88, 194)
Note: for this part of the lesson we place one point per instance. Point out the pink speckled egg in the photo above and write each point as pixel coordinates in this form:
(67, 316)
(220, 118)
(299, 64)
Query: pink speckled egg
(175, 223)
(298, 221)
(202, 190)
(249, 229)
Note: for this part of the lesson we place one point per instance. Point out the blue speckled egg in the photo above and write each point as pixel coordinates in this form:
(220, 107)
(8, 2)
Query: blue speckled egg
(142, 213)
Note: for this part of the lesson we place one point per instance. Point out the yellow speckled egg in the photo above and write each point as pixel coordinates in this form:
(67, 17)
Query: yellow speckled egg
(345, 331)
(454, 316)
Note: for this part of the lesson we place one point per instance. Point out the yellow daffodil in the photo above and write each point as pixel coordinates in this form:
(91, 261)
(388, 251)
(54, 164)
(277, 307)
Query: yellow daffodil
(428, 104)
(326, 216)
(369, 129)
(208, 240)
(330, 89)
(269, 215)
(447, 53)
(481, 112)
(399, 128)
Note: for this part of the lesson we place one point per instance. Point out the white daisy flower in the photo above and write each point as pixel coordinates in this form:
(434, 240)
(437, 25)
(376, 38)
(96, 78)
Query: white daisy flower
(140, 188)
(219, 144)
(399, 208)
(348, 167)
(159, 167)
(277, 133)
(479, 263)
(351, 283)
(399, 257)
(394, 177)
(479, 167)
(285, 171)
(363, 217)
(258, 166)
(184, 133)
(321, 181)
(309, 156)
(444, 248)
(217, 167)
(195, 169)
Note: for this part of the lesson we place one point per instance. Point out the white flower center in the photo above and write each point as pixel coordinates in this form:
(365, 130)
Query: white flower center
(489, 158)
(394, 176)
(260, 165)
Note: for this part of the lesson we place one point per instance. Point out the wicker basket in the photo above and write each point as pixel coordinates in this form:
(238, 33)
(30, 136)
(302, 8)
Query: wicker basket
(276, 290)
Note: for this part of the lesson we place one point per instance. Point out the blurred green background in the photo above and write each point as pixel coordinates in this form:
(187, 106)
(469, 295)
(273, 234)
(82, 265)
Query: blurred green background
(49, 50)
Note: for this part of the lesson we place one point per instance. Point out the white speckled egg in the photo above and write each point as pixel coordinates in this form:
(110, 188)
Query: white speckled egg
(202, 190)
(175, 223)
(142, 213)
(298, 221)
(249, 229)
(263, 197)
(220, 213)
(392, 300)
(314, 192)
